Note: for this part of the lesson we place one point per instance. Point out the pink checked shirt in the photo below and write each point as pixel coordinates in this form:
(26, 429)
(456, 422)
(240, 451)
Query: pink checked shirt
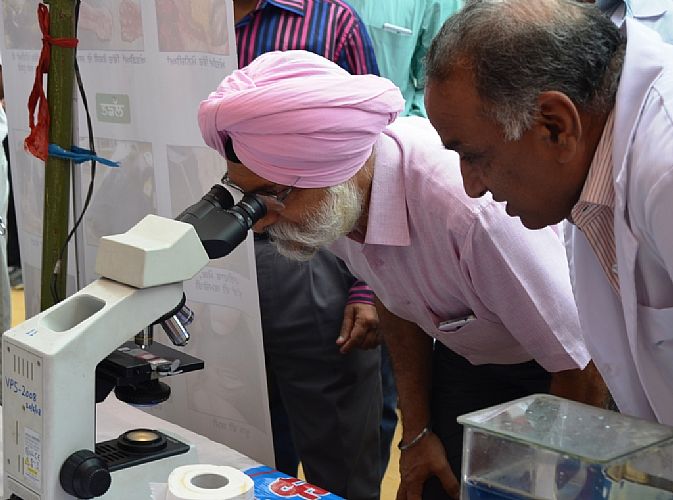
(432, 254)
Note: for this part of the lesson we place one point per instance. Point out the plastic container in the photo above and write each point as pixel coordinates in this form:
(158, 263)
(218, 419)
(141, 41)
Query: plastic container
(543, 447)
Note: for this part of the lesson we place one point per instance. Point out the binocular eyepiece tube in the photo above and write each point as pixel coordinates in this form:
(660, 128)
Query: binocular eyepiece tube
(221, 226)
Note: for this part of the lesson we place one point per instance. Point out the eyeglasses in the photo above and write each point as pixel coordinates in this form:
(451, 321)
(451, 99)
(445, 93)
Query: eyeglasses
(278, 196)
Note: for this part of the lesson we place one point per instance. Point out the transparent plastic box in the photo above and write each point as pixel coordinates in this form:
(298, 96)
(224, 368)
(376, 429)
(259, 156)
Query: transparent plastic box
(543, 447)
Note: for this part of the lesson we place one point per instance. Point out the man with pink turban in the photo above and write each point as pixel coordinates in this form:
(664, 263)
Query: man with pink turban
(477, 309)
(277, 108)
(345, 388)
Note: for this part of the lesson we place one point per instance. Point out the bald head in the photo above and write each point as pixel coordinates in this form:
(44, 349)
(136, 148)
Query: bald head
(516, 49)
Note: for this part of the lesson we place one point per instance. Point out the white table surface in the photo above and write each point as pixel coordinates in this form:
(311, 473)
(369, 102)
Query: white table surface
(114, 417)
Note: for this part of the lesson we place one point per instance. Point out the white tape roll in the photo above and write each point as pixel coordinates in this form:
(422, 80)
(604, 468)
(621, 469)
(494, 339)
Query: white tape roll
(209, 482)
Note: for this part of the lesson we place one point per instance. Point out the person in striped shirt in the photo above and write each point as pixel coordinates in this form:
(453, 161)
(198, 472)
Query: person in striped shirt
(315, 314)
(329, 28)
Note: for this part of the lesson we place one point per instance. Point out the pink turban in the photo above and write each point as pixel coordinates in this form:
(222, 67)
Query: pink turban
(297, 119)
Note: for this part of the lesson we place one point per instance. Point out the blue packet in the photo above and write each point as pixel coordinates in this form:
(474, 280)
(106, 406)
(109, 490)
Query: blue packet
(270, 484)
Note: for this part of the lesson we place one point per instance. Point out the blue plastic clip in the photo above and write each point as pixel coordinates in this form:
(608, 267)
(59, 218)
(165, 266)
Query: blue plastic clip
(79, 155)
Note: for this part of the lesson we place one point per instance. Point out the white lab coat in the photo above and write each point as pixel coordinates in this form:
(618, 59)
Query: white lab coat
(630, 335)
(655, 14)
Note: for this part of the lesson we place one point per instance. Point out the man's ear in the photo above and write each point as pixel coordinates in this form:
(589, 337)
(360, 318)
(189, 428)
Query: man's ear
(558, 123)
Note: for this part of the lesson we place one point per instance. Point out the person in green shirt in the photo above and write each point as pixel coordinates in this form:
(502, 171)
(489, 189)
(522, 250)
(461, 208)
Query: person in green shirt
(401, 31)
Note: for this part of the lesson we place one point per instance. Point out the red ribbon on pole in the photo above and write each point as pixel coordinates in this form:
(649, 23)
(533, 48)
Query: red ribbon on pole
(37, 142)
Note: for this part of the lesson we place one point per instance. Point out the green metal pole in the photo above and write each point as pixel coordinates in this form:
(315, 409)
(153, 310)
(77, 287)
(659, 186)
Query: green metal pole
(60, 82)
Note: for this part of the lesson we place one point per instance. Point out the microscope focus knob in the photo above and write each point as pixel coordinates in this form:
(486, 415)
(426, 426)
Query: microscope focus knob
(85, 475)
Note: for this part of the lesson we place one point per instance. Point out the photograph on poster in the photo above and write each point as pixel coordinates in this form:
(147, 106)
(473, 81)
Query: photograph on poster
(21, 28)
(195, 26)
(122, 196)
(111, 25)
(103, 25)
(231, 354)
(192, 171)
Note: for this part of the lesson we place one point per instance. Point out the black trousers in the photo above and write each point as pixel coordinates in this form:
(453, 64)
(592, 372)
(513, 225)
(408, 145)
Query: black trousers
(459, 387)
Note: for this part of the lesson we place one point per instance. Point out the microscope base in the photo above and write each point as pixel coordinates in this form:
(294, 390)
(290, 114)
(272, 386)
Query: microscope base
(132, 483)
(128, 483)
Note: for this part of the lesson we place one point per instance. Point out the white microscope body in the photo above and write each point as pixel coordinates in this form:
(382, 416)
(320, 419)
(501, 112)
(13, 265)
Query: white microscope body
(49, 361)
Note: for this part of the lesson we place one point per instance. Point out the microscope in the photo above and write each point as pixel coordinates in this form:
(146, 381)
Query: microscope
(58, 364)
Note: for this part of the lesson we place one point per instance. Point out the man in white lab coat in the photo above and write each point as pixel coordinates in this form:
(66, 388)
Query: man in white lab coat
(563, 117)
(655, 14)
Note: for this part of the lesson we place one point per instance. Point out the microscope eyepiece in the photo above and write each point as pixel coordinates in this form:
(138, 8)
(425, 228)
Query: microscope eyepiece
(218, 198)
(220, 224)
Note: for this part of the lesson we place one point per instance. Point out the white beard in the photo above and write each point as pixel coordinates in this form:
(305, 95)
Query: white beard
(335, 217)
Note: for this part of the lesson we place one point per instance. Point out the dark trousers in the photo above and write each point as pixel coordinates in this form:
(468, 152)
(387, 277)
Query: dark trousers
(458, 387)
(389, 409)
(332, 401)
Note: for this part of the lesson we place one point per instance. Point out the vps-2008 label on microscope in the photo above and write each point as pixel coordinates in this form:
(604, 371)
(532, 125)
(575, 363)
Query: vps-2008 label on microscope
(31, 397)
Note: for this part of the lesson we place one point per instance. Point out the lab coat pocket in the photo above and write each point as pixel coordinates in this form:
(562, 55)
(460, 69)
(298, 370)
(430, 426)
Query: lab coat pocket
(656, 324)
(656, 328)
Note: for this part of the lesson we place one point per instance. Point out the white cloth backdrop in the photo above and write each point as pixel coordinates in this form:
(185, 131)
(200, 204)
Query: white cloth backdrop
(146, 65)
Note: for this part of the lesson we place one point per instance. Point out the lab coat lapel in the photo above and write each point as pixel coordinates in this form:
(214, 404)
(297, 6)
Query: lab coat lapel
(642, 66)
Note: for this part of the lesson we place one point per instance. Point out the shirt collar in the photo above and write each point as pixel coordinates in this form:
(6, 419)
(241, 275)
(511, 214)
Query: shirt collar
(387, 222)
(648, 8)
(297, 6)
(598, 188)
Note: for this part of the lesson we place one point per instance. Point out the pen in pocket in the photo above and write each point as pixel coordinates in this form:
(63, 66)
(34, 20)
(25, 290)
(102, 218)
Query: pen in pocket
(453, 325)
(396, 29)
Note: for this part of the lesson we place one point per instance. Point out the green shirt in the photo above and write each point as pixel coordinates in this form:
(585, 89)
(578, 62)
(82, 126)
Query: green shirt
(401, 31)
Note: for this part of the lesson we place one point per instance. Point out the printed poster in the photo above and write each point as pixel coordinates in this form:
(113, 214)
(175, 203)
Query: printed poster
(146, 65)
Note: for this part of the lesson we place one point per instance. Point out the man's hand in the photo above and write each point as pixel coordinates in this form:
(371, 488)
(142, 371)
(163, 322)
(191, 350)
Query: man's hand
(359, 328)
(419, 463)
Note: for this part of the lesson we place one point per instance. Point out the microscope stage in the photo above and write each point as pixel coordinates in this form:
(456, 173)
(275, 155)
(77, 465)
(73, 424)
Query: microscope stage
(132, 364)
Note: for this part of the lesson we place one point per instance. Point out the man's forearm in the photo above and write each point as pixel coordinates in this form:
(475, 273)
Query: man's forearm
(411, 354)
(585, 386)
